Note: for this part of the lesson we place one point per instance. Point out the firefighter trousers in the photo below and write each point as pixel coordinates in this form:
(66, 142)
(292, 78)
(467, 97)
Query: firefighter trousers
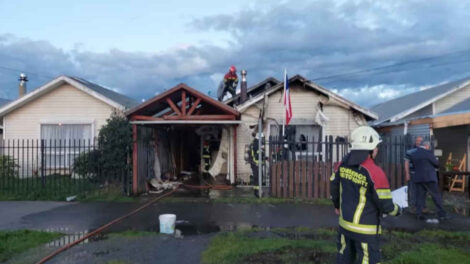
(351, 251)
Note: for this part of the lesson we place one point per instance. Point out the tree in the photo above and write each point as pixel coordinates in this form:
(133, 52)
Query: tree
(115, 141)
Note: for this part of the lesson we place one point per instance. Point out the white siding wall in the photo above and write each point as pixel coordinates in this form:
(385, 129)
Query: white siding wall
(341, 120)
(453, 99)
(64, 104)
(244, 138)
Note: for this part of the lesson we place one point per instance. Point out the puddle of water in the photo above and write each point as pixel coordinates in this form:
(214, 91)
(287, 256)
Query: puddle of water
(70, 237)
(188, 228)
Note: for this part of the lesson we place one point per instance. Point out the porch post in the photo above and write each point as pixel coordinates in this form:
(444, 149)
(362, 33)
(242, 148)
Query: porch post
(234, 154)
(134, 159)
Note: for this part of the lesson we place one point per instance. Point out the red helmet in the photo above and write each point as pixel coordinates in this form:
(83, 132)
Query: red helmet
(233, 69)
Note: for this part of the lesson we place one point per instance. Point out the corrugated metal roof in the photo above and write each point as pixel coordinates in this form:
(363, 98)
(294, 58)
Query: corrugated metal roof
(391, 108)
(112, 95)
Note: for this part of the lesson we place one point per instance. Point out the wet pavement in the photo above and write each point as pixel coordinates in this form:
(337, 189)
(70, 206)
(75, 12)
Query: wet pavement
(196, 217)
(198, 222)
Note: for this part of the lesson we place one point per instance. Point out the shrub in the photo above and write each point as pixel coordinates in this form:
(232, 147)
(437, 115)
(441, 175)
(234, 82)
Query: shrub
(87, 164)
(115, 140)
(8, 166)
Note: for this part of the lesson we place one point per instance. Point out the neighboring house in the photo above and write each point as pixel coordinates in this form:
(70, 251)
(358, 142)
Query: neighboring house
(65, 109)
(442, 112)
(2, 103)
(317, 113)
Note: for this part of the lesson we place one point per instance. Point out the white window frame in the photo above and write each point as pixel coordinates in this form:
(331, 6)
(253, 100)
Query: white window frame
(90, 122)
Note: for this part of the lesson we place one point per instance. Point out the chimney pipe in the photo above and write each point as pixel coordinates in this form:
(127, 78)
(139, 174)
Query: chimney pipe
(243, 88)
(22, 88)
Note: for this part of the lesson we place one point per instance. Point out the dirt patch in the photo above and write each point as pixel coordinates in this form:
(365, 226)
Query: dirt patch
(291, 255)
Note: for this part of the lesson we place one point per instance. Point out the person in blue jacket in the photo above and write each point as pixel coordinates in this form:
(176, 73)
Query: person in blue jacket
(424, 177)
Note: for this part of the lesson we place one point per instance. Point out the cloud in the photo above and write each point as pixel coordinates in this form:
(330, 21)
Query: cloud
(312, 38)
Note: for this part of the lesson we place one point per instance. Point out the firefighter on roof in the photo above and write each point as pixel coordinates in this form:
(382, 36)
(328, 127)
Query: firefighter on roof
(361, 195)
(229, 84)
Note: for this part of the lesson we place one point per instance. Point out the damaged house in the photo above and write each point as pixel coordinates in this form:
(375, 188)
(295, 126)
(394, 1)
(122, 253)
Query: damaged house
(317, 113)
(183, 134)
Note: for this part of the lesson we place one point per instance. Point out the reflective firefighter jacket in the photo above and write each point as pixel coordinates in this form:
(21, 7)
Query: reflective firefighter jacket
(254, 151)
(362, 194)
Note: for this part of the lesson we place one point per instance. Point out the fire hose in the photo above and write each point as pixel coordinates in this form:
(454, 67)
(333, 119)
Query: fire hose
(119, 219)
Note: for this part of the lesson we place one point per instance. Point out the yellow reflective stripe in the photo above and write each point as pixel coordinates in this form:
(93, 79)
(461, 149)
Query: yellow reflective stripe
(343, 244)
(255, 158)
(358, 228)
(384, 193)
(340, 199)
(395, 210)
(360, 205)
(365, 259)
(332, 178)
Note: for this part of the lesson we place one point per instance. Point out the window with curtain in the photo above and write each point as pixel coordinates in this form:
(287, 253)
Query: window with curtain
(64, 142)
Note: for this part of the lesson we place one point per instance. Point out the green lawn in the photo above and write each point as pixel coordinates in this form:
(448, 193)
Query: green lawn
(305, 245)
(57, 188)
(15, 242)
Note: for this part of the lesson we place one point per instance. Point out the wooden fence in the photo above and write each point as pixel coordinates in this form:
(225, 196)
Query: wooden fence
(301, 179)
(302, 169)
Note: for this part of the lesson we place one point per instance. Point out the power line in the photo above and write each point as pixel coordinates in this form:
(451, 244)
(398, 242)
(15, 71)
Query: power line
(386, 66)
(27, 72)
(402, 70)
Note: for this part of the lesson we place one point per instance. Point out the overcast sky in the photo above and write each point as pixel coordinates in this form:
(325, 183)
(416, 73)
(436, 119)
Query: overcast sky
(140, 48)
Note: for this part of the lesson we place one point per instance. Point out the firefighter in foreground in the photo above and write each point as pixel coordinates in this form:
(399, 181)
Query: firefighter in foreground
(361, 195)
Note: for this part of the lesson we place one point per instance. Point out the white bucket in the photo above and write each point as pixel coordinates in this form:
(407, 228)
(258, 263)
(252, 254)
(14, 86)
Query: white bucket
(167, 223)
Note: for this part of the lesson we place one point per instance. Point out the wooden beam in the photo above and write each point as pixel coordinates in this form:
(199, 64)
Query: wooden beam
(146, 118)
(183, 103)
(200, 117)
(451, 120)
(173, 106)
(421, 121)
(134, 160)
(193, 107)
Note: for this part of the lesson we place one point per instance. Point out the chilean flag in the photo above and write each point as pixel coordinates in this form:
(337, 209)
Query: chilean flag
(287, 102)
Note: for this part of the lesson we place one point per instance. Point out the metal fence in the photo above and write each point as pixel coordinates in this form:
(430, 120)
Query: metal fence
(391, 156)
(55, 169)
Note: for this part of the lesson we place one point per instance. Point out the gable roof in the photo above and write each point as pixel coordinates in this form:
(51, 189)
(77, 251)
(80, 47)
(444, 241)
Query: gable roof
(255, 90)
(309, 84)
(153, 105)
(121, 99)
(105, 95)
(400, 107)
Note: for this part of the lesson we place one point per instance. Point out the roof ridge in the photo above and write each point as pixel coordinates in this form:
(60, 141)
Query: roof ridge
(433, 88)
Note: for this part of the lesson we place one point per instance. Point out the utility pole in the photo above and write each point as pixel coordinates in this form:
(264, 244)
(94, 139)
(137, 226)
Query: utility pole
(260, 158)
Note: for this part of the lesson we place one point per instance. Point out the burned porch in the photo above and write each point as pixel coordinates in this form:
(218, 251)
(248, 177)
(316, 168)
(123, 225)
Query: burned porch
(183, 134)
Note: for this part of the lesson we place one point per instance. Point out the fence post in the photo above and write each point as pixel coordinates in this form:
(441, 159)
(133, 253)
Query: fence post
(43, 164)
